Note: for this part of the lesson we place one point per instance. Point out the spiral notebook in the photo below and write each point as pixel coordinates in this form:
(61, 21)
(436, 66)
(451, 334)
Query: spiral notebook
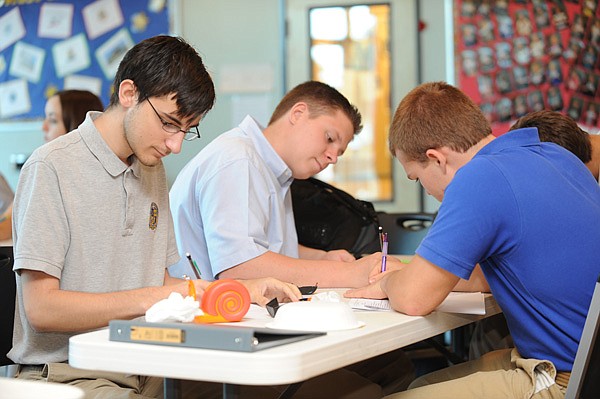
(205, 336)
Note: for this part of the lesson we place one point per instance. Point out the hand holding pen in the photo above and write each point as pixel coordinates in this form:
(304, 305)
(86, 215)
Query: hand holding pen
(384, 251)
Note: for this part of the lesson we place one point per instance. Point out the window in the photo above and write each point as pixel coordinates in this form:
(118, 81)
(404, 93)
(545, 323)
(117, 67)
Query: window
(350, 50)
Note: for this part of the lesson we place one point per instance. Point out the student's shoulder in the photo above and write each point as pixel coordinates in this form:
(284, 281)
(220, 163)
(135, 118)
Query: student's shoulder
(480, 167)
(230, 147)
(58, 149)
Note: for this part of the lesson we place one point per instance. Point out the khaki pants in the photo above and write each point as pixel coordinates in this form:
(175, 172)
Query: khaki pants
(105, 385)
(500, 374)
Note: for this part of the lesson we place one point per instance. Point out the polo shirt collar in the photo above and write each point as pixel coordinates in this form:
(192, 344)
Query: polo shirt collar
(98, 147)
(513, 138)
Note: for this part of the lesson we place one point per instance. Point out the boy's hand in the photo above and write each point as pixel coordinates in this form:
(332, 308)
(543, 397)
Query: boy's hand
(262, 290)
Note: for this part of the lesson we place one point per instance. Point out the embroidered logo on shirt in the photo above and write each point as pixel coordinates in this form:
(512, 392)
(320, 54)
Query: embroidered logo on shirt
(153, 219)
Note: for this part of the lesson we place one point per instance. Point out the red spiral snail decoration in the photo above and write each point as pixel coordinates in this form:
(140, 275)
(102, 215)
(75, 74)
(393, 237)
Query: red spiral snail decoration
(223, 301)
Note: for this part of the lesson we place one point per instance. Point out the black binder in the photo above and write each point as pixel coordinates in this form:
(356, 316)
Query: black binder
(205, 336)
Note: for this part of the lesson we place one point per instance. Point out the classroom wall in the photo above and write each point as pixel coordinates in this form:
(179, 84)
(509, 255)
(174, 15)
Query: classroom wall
(231, 36)
(235, 34)
(436, 54)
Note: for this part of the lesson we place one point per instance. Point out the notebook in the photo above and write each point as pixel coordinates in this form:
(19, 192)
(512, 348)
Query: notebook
(205, 336)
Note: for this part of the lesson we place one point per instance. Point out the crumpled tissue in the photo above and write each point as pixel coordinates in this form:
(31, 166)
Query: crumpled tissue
(174, 308)
(327, 296)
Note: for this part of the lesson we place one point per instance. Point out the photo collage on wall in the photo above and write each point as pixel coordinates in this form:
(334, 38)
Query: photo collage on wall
(519, 56)
(47, 46)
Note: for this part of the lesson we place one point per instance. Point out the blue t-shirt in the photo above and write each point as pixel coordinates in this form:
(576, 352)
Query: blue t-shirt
(529, 213)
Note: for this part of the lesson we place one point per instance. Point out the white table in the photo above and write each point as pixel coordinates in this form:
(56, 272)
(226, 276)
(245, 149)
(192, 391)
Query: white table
(383, 332)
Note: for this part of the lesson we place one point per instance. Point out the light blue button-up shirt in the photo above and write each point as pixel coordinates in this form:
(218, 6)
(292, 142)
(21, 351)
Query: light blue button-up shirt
(232, 203)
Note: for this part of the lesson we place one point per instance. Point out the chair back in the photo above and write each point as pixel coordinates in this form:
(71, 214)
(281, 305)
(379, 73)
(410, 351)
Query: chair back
(8, 292)
(405, 230)
(585, 376)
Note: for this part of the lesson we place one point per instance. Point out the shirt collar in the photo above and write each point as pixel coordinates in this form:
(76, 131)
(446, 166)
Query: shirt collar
(513, 138)
(98, 147)
(255, 131)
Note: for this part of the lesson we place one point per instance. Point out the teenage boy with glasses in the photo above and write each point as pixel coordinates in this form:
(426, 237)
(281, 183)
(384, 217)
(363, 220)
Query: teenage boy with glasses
(93, 234)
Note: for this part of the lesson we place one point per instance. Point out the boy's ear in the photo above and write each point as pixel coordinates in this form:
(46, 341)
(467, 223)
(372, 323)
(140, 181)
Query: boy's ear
(297, 112)
(437, 156)
(128, 94)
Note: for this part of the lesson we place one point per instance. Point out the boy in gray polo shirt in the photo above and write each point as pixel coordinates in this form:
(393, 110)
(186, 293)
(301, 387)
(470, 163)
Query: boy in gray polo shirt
(93, 234)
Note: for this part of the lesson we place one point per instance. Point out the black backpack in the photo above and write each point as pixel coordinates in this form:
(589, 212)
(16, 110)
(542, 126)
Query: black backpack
(328, 218)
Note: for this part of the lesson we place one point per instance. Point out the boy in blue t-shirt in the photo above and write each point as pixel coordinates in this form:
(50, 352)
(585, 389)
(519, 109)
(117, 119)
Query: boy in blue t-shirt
(527, 212)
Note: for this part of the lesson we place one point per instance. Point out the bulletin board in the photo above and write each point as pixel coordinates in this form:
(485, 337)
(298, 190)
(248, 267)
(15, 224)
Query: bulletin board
(519, 56)
(47, 46)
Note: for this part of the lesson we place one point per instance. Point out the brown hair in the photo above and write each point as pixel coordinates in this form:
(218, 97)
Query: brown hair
(435, 115)
(557, 128)
(163, 65)
(75, 104)
(321, 99)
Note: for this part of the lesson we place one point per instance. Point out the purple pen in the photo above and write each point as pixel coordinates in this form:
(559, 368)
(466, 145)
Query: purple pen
(384, 251)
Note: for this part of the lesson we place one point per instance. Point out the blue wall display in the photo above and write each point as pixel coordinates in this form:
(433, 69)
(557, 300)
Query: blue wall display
(47, 46)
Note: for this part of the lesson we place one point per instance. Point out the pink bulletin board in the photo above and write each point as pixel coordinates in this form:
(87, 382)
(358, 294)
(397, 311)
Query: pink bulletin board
(514, 57)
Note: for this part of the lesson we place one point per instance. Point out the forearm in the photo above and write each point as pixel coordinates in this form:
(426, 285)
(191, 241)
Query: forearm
(418, 288)
(301, 271)
(310, 253)
(70, 311)
(51, 309)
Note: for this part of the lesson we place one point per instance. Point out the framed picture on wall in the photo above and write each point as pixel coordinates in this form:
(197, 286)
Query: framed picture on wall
(14, 98)
(71, 55)
(109, 55)
(13, 28)
(27, 62)
(101, 17)
(56, 21)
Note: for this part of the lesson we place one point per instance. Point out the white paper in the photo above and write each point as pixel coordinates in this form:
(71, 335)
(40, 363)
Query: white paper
(455, 302)
(27, 62)
(14, 98)
(464, 302)
(102, 16)
(71, 55)
(110, 54)
(56, 20)
(12, 29)
(156, 6)
(369, 304)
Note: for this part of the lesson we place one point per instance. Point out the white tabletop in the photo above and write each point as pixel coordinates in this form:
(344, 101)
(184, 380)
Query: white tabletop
(383, 332)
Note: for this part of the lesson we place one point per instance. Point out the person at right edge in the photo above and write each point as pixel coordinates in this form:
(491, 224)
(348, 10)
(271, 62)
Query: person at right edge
(527, 212)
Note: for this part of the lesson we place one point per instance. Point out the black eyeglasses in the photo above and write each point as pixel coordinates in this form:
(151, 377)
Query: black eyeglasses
(192, 134)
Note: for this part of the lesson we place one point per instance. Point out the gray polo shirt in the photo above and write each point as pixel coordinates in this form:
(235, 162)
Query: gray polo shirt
(98, 225)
